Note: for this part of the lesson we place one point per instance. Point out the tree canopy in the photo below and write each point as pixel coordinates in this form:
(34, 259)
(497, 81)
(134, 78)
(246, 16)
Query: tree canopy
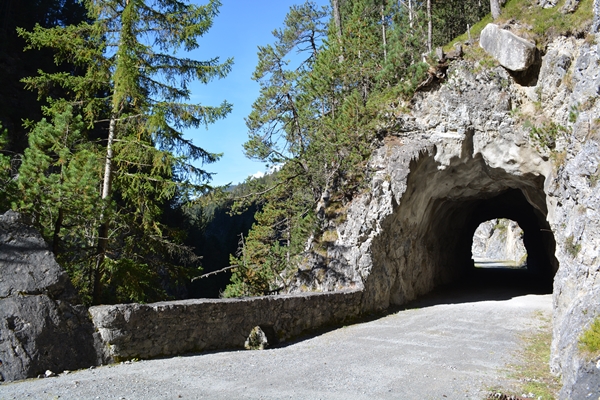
(104, 169)
(118, 126)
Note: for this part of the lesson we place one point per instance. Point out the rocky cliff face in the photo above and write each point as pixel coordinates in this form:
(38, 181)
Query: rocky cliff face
(482, 146)
(39, 327)
(568, 87)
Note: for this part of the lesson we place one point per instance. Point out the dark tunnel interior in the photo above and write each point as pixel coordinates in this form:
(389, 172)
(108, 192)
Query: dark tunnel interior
(465, 216)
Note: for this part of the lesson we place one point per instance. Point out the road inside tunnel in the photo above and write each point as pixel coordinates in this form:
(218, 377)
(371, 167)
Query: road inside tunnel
(505, 281)
(428, 240)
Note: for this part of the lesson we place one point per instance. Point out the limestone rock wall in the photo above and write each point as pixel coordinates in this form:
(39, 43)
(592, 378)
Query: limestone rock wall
(569, 86)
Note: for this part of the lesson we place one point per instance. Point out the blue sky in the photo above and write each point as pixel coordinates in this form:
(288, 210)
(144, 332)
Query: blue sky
(241, 26)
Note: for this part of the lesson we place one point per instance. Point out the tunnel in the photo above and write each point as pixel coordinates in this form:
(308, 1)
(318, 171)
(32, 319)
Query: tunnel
(426, 242)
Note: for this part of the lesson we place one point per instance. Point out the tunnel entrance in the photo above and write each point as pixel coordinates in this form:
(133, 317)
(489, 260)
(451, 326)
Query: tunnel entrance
(428, 239)
(498, 243)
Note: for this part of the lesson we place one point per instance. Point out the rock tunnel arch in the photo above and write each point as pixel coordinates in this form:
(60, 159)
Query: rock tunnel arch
(426, 241)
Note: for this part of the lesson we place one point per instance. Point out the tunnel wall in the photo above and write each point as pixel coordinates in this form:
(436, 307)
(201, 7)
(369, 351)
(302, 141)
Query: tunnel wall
(396, 238)
(441, 171)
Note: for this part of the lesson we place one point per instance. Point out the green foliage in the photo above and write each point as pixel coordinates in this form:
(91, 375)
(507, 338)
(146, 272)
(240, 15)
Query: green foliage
(117, 126)
(550, 22)
(7, 184)
(502, 225)
(451, 18)
(571, 246)
(547, 134)
(589, 341)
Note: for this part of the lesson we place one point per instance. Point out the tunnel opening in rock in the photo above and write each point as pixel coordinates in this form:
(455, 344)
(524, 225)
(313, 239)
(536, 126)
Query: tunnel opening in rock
(427, 240)
(498, 243)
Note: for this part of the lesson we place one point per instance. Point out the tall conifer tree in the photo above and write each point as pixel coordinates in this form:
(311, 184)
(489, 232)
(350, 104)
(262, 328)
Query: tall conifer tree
(134, 82)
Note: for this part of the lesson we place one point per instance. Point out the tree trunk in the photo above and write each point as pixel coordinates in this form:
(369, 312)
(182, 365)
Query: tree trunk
(495, 7)
(383, 33)
(338, 24)
(56, 235)
(338, 19)
(429, 27)
(104, 227)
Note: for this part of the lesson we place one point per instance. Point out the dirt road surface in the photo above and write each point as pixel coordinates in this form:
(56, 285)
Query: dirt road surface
(446, 346)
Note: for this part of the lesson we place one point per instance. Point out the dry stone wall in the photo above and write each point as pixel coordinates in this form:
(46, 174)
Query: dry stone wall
(178, 327)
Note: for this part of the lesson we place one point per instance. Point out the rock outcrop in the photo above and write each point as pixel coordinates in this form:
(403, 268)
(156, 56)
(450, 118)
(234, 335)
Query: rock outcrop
(596, 23)
(511, 51)
(481, 146)
(39, 328)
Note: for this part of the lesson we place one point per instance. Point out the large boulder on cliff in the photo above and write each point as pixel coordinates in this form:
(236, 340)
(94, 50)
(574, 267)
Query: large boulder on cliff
(511, 51)
(39, 328)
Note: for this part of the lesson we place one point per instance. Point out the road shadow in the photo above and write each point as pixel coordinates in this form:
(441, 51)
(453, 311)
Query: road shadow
(485, 284)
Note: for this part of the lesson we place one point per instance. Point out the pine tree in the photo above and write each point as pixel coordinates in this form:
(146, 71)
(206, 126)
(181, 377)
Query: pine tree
(319, 123)
(314, 121)
(58, 184)
(132, 80)
(280, 134)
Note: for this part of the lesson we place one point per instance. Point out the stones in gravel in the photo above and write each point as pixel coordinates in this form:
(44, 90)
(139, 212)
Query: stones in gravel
(257, 340)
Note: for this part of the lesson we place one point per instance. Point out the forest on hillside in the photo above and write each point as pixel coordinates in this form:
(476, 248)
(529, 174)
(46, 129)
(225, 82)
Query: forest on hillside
(95, 101)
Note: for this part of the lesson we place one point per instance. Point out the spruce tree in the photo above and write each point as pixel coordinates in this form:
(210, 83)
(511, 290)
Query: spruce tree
(132, 82)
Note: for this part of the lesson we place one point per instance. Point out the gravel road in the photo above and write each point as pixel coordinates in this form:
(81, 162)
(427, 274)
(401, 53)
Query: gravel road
(446, 346)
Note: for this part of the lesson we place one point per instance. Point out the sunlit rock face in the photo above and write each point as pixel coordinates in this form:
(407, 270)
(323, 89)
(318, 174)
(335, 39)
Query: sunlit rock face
(499, 240)
(466, 154)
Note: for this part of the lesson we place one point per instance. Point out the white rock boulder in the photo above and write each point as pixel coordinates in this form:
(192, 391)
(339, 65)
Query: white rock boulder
(511, 51)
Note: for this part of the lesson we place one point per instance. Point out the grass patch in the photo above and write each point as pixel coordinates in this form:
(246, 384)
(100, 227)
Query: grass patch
(533, 376)
(589, 341)
(571, 247)
(595, 178)
(545, 23)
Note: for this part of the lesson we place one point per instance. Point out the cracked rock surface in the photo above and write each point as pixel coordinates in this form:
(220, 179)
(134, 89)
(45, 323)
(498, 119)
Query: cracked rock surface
(39, 328)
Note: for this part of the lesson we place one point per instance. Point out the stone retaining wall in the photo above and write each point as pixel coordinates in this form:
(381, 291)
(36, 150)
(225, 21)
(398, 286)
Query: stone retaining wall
(178, 327)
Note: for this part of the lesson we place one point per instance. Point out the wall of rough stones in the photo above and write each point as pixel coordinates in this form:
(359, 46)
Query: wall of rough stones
(178, 327)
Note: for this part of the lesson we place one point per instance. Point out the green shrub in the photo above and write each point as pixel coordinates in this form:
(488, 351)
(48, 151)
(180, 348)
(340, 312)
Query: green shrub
(589, 341)
(571, 247)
